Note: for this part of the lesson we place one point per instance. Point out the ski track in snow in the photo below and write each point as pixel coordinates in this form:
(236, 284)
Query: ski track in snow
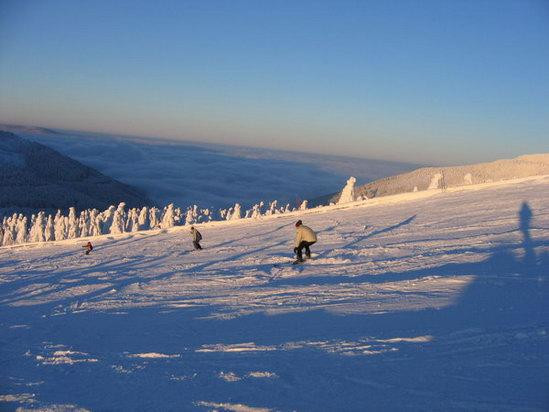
(437, 302)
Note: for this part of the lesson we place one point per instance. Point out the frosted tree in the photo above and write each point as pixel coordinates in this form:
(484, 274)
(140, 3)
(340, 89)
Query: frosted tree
(443, 185)
(31, 227)
(84, 224)
(303, 205)
(272, 208)
(348, 192)
(118, 224)
(73, 230)
(132, 223)
(60, 228)
(49, 232)
(189, 217)
(37, 228)
(178, 215)
(154, 214)
(168, 218)
(237, 213)
(106, 219)
(9, 233)
(435, 181)
(21, 234)
(256, 211)
(143, 220)
(206, 214)
(223, 213)
(95, 223)
(121, 209)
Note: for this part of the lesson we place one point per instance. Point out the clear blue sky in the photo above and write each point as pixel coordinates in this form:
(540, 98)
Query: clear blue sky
(426, 81)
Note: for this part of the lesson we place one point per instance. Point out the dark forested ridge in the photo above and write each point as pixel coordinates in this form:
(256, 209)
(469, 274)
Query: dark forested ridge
(35, 177)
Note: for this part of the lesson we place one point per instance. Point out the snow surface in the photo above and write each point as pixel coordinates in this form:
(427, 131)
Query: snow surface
(428, 300)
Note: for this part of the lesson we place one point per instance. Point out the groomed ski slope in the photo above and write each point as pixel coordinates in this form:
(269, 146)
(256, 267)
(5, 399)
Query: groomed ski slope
(430, 301)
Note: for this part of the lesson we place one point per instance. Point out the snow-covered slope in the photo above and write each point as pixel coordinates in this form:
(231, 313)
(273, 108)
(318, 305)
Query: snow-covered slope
(35, 177)
(423, 301)
(456, 176)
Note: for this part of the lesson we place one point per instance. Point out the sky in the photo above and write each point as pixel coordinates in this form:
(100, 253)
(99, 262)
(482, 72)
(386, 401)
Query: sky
(430, 81)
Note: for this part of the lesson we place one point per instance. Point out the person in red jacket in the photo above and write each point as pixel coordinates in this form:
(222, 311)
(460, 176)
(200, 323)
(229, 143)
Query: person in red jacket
(88, 246)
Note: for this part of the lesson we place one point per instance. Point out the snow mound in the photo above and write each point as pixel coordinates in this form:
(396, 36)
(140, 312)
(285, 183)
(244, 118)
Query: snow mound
(431, 178)
(153, 355)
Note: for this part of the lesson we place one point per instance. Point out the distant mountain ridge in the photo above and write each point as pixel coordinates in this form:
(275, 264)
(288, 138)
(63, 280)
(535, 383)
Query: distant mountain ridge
(453, 176)
(13, 128)
(35, 177)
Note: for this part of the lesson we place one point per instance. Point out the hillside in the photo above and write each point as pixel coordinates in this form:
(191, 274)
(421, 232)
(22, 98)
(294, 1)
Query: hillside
(33, 176)
(424, 301)
(455, 176)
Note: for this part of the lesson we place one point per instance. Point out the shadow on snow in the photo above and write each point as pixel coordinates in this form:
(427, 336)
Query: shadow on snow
(487, 350)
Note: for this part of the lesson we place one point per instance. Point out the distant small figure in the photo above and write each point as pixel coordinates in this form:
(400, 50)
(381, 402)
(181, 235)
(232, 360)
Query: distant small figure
(197, 237)
(88, 246)
(304, 237)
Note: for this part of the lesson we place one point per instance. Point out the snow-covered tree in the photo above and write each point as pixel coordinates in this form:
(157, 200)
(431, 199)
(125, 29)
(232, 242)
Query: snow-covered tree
(154, 219)
(106, 219)
(348, 192)
(21, 234)
(37, 228)
(205, 215)
(73, 230)
(49, 231)
(143, 220)
(303, 205)
(189, 217)
(132, 222)
(118, 223)
(84, 224)
(236, 214)
(95, 223)
(272, 208)
(9, 232)
(60, 229)
(168, 217)
(255, 211)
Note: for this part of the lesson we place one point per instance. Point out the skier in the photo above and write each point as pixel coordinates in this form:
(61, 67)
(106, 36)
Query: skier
(88, 246)
(197, 237)
(304, 237)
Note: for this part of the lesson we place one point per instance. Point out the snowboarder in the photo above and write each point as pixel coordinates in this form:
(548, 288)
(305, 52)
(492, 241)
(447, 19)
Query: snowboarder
(197, 237)
(88, 246)
(304, 237)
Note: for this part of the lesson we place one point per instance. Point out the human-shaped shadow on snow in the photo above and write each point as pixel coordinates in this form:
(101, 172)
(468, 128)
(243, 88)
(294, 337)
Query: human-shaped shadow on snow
(525, 216)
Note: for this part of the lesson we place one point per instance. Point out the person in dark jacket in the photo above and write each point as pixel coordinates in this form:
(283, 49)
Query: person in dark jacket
(88, 246)
(197, 237)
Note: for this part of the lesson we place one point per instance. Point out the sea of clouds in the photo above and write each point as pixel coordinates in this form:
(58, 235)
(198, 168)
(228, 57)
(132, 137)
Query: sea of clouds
(212, 175)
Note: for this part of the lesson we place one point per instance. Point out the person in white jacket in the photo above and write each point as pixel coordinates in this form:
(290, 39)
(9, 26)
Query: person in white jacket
(197, 237)
(304, 237)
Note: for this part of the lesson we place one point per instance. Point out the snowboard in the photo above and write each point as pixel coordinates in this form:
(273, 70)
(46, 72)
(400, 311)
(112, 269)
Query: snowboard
(298, 262)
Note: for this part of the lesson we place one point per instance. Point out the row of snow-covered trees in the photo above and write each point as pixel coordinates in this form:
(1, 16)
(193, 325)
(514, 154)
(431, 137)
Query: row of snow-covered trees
(19, 228)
